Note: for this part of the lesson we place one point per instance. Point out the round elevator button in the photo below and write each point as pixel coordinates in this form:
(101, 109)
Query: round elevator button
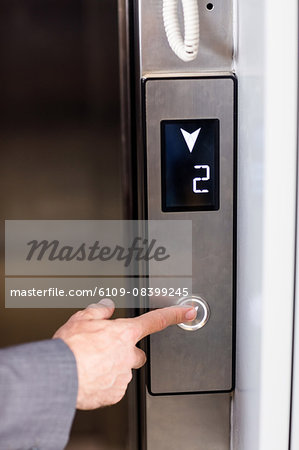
(203, 313)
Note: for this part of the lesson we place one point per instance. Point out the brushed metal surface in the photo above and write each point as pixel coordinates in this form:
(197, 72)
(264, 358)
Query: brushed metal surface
(200, 422)
(200, 361)
(191, 422)
(216, 39)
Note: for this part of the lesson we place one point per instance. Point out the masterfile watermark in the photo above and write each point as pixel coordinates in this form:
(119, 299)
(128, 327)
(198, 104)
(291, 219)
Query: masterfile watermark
(79, 292)
(140, 250)
(99, 248)
(72, 263)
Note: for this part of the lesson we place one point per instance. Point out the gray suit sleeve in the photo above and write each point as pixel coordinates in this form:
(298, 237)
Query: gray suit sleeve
(38, 391)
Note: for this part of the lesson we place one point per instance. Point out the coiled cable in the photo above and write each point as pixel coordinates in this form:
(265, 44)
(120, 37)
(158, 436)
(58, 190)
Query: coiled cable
(186, 49)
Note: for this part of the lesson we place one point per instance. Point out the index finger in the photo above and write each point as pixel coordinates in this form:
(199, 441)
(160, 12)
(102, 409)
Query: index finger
(158, 320)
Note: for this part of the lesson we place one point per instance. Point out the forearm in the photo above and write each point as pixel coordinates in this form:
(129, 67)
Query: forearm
(38, 392)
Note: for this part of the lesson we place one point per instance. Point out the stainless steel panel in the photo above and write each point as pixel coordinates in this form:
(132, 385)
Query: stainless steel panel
(184, 361)
(191, 422)
(216, 39)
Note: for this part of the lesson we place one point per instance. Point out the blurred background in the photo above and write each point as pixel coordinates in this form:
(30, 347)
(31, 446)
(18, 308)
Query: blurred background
(60, 148)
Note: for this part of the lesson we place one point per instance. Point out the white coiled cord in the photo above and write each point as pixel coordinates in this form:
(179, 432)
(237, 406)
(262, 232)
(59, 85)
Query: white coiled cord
(186, 49)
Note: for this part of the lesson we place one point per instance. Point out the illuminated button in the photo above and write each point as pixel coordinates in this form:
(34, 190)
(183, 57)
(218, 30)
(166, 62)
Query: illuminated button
(203, 313)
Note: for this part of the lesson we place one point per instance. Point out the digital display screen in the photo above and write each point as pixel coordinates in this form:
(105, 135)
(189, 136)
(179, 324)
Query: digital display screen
(190, 165)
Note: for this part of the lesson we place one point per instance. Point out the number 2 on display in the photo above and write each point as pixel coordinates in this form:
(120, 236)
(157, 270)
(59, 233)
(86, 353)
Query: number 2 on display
(197, 179)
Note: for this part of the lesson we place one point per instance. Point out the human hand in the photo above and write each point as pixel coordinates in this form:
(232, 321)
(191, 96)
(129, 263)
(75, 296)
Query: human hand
(105, 350)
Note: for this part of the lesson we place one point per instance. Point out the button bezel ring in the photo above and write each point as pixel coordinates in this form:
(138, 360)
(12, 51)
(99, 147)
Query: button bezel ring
(199, 302)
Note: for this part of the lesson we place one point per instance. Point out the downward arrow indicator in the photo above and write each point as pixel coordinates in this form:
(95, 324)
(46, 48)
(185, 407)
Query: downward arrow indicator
(190, 138)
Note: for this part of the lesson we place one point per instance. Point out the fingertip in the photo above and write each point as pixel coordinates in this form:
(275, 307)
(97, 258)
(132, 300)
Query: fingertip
(185, 313)
(101, 310)
(107, 302)
(191, 314)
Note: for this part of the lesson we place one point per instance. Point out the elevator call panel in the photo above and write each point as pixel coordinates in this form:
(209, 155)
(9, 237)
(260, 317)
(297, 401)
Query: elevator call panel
(190, 149)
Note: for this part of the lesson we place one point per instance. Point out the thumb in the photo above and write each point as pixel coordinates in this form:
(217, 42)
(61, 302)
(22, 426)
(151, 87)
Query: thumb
(102, 310)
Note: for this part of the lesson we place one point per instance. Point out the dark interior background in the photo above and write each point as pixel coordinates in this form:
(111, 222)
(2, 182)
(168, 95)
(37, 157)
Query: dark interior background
(60, 148)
